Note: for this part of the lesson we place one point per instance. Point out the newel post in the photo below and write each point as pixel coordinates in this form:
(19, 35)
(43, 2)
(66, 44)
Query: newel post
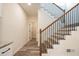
(40, 44)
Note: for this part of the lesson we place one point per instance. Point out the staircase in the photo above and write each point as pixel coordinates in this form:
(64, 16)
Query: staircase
(60, 28)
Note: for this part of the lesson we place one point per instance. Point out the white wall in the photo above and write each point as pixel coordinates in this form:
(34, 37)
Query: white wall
(33, 20)
(0, 18)
(0, 10)
(14, 26)
(44, 19)
(52, 9)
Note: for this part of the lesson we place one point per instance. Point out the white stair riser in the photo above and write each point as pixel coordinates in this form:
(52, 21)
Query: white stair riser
(71, 42)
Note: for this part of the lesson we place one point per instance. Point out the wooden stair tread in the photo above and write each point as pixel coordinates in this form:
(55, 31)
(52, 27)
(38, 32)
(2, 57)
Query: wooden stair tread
(72, 25)
(43, 48)
(48, 44)
(53, 41)
(63, 33)
(67, 29)
(59, 36)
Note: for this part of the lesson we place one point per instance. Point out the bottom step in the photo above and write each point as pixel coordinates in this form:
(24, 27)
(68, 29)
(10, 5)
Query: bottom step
(43, 48)
(44, 55)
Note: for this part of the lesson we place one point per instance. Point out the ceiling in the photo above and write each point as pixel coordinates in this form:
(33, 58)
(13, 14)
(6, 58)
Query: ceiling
(31, 10)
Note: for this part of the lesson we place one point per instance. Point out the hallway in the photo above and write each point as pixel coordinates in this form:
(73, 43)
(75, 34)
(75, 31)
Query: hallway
(29, 49)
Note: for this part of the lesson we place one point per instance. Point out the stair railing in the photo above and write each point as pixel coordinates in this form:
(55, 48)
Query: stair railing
(71, 20)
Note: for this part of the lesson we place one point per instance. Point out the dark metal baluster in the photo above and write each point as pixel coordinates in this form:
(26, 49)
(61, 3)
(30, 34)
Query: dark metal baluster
(68, 22)
(77, 15)
(42, 37)
(49, 34)
(74, 18)
(56, 30)
(59, 25)
(70, 18)
(45, 35)
(65, 20)
(62, 25)
(64, 17)
(53, 32)
(41, 34)
(49, 37)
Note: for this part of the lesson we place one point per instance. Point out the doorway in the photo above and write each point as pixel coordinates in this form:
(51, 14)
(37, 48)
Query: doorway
(32, 27)
(30, 31)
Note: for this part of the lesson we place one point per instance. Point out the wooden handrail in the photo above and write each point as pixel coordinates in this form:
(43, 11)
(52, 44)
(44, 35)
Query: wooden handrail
(58, 7)
(5, 51)
(59, 17)
(5, 45)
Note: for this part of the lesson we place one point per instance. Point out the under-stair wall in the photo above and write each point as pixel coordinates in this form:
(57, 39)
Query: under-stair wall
(67, 47)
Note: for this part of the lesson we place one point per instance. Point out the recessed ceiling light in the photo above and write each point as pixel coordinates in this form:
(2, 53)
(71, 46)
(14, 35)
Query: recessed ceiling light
(29, 4)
